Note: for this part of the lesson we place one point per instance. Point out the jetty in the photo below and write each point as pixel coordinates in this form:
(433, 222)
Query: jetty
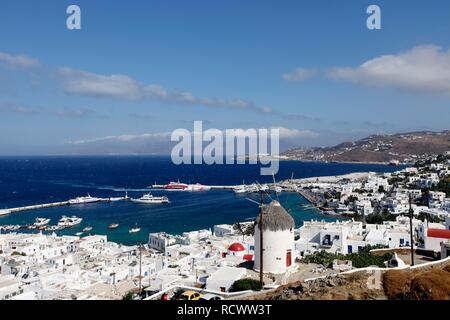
(47, 205)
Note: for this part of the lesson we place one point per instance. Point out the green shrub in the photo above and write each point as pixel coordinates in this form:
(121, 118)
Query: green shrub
(246, 284)
(361, 259)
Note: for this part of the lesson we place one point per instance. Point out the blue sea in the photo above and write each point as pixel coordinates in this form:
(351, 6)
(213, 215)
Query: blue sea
(34, 180)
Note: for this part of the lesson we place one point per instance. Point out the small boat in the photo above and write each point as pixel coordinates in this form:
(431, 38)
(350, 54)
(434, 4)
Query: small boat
(278, 189)
(40, 222)
(53, 228)
(67, 222)
(114, 199)
(135, 229)
(250, 188)
(78, 234)
(150, 199)
(113, 225)
(87, 229)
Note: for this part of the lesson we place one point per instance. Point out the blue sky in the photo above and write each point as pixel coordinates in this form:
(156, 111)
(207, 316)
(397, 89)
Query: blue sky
(139, 69)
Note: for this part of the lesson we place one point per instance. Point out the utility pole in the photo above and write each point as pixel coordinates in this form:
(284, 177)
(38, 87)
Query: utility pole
(140, 268)
(261, 250)
(411, 229)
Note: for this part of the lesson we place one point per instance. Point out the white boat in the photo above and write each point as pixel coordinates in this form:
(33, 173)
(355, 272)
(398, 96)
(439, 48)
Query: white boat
(81, 200)
(135, 229)
(198, 187)
(179, 186)
(53, 228)
(240, 189)
(87, 229)
(78, 234)
(113, 199)
(113, 226)
(67, 222)
(278, 189)
(150, 199)
(247, 189)
(40, 222)
(11, 227)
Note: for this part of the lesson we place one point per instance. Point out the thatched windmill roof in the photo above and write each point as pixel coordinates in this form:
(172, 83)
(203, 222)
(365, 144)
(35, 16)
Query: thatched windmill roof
(275, 217)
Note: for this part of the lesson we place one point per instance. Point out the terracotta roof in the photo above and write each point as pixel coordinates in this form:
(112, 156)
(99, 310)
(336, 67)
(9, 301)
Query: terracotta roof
(438, 233)
(236, 247)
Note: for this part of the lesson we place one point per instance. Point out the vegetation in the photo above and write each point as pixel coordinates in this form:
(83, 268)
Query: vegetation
(128, 296)
(423, 215)
(246, 284)
(378, 218)
(17, 253)
(361, 259)
(244, 229)
(443, 186)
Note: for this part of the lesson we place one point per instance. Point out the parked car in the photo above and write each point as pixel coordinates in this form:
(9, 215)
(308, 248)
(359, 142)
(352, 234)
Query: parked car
(211, 297)
(190, 295)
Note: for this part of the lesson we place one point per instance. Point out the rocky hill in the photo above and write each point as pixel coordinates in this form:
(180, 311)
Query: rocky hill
(402, 147)
(428, 283)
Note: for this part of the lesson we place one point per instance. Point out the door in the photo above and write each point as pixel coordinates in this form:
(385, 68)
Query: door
(288, 258)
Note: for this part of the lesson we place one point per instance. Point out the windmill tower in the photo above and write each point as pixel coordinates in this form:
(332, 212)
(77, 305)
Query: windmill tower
(276, 253)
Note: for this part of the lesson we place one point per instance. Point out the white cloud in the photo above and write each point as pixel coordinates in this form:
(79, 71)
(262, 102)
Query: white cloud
(296, 133)
(91, 84)
(19, 60)
(118, 86)
(123, 138)
(284, 134)
(300, 74)
(423, 69)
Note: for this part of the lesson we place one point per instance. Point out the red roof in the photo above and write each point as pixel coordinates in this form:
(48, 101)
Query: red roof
(438, 233)
(236, 247)
(248, 257)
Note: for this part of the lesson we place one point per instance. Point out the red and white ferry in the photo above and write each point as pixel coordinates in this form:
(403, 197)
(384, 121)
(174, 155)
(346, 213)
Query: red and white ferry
(179, 186)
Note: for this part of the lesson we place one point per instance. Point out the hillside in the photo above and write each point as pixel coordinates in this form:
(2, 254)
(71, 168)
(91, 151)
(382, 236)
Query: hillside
(402, 147)
(428, 283)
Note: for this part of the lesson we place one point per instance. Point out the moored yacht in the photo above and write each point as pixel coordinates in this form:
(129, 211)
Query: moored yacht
(67, 222)
(41, 222)
(150, 199)
(113, 225)
(81, 200)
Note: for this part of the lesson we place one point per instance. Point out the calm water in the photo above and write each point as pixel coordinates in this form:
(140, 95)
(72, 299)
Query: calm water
(32, 180)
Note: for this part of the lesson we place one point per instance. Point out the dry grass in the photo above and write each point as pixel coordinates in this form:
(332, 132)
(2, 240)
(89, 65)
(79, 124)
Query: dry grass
(429, 285)
(396, 284)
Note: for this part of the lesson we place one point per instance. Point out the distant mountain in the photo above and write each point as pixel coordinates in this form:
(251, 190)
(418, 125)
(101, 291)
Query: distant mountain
(402, 147)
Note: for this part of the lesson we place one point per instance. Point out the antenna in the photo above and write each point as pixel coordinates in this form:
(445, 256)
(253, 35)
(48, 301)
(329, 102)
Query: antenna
(411, 229)
(275, 187)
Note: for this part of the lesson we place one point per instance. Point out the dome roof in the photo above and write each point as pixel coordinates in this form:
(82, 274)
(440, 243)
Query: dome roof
(236, 247)
(275, 217)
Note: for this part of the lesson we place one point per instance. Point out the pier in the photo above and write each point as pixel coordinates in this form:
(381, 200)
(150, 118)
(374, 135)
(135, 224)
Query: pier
(47, 205)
